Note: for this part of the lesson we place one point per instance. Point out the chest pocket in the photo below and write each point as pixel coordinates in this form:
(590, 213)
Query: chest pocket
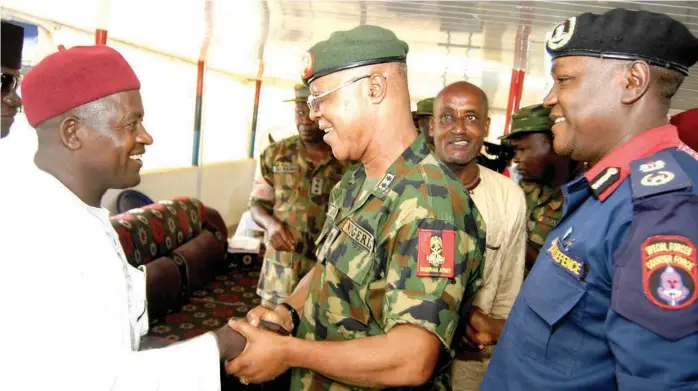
(348, 272)
(286, 184)
(544, 325)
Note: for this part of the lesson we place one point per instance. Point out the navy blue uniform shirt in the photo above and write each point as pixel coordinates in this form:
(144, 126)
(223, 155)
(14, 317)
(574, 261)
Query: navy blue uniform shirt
(611, 301)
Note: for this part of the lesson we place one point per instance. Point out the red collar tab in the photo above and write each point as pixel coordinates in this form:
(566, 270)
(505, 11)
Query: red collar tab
(606, 175)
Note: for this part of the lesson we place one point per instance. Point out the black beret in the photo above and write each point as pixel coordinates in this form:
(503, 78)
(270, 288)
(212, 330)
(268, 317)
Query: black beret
(12, 42)
(626, 35)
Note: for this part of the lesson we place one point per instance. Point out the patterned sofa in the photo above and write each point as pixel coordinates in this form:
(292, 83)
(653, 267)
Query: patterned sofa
(182, 244)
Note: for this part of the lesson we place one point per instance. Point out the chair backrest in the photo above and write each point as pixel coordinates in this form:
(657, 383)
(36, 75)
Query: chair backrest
(157, 229)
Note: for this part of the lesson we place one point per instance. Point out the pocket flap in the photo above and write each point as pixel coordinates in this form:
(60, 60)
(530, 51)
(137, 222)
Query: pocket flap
(551, 295)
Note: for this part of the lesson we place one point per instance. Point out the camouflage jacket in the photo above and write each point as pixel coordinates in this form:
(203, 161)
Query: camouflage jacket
(544, 210)
(296, 191)
(408, 250)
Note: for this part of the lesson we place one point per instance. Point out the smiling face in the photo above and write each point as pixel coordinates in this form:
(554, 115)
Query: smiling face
(460, 123)
(113, 141)
(342, 113)
(585, 106)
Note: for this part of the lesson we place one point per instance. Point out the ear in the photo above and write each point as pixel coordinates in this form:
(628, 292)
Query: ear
(636, 82)
(431, 126)
(70, 134)
(487, 127)
(377, 88)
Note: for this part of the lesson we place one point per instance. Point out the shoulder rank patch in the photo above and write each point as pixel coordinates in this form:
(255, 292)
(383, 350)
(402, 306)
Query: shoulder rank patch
(575, 267)
(604, 180)
(669, 273)
(436, 250)
(316, 186)
(385, 182)
(656, 175)
(359, 234)
(285, 168)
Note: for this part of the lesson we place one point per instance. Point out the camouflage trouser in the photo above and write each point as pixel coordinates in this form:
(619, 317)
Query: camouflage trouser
(281, 272)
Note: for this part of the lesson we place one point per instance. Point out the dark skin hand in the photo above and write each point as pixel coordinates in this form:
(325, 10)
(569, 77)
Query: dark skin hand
(482, 330)
(279, 237)
(231, 343)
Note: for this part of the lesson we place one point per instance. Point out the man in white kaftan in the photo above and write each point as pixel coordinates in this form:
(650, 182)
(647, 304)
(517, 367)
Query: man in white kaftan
(73, 309)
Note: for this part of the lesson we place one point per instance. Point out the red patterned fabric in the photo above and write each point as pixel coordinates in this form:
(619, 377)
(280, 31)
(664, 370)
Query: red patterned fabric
(158, 229)
(181, 248)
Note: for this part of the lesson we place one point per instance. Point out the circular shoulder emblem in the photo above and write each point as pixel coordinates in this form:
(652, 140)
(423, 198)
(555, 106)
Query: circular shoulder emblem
(562, 34)
(308, 64)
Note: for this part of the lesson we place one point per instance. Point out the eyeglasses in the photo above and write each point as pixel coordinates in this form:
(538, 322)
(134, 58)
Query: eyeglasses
(9, 82)
(314, 100)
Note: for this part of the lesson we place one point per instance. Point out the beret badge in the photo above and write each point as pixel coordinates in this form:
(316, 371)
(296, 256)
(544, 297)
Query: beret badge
(562, 34)
(308, 64)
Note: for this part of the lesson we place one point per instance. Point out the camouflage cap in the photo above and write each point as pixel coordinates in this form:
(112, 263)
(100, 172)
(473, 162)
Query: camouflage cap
(301, 92)
(424, 107)
(530, 119)
(360, 46)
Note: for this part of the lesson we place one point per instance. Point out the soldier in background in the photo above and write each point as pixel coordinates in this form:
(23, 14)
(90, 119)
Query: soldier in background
(289, 200)
(401, 249)
(422, 119)
(542, 171)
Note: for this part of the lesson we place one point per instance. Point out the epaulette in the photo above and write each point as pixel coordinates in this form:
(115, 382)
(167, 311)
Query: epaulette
(657, 174)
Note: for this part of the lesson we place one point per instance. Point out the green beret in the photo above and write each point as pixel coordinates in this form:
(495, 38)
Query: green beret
(530, 119)
(626, 35)
(360, 46)
(301, 92)
(424, 107)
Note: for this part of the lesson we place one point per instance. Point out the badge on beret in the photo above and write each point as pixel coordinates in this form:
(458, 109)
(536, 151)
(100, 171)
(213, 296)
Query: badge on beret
(308, 64)
(562, 34)
(669, 273)
(436, 253)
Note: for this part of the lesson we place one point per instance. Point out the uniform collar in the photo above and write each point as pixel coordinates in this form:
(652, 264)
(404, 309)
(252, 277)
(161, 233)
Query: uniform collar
(409, 158)
(606, 175)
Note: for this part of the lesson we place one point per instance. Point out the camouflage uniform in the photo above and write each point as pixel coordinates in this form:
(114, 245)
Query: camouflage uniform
(296, 190)
(374, 244)
(544, 210)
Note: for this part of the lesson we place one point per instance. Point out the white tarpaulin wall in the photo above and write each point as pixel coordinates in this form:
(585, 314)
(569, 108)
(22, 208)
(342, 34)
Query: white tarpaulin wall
(448, 41)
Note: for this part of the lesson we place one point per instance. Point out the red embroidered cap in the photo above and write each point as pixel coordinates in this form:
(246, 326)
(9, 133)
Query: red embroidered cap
(70, 78)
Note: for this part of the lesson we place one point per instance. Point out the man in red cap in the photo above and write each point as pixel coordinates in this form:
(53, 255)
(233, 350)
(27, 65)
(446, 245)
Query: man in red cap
(687, 124)
(12, 41)
(79, 307)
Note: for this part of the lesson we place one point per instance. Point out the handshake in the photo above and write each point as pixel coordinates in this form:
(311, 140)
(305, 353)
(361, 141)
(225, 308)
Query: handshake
(241, 341)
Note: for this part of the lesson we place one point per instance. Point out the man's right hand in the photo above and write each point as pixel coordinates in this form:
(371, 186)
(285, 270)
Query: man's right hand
(279, 315)
(280, 238)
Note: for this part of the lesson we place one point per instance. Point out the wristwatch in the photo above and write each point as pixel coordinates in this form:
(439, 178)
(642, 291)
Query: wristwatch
(294, 315)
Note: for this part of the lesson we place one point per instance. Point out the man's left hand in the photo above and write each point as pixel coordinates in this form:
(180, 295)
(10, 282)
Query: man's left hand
(482, 330)
(263, 358)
